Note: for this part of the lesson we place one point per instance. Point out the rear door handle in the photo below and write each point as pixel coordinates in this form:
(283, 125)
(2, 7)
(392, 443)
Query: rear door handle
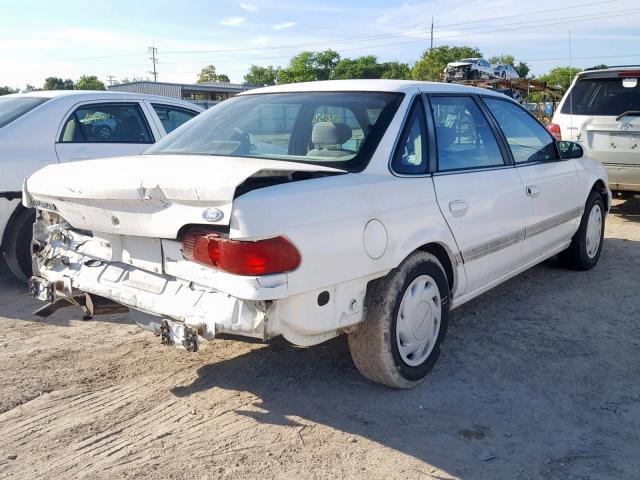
(458, 208)
(533, 191)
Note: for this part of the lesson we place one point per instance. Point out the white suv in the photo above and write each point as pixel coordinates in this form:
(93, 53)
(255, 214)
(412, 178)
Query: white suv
(45, 127)
(601, 110)
(365, 207)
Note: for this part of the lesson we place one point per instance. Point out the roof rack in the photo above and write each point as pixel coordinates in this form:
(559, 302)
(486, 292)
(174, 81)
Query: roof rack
(609, 67)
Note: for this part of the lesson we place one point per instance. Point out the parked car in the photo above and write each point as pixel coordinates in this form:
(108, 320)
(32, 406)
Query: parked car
(46, 127)
(505, 71)
(468, 69)
(451, 191)
(601, 110)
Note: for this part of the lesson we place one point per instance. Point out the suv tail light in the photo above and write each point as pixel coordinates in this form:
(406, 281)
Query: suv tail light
(262, 257)
(554, 129)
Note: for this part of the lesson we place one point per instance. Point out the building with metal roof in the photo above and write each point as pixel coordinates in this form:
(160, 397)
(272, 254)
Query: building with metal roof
(205, 94)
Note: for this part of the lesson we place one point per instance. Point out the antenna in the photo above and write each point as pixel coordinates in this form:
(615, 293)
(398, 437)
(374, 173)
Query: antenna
(570, 91)
(154, 61)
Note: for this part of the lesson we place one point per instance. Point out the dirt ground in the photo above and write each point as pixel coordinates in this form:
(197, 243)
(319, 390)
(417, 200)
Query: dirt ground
(538, 379)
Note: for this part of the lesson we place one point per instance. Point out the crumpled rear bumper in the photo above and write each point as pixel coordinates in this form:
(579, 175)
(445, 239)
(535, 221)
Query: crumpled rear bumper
(175, 298)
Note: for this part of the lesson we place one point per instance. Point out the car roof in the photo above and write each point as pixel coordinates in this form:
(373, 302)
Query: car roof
(99, 95)
(402, 86)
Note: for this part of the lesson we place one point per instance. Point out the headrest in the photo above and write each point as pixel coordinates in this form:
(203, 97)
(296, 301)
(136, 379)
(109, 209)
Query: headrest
(330, 133)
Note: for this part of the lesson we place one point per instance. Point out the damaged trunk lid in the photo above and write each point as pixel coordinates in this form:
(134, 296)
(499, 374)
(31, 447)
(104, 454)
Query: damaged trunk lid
(154, 195)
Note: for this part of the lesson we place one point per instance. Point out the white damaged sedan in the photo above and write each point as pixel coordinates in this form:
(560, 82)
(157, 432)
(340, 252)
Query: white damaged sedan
(370, 208)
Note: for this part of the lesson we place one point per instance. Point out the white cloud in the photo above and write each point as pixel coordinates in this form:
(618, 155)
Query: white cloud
(284, 25)
(247, 7)
(233, 21)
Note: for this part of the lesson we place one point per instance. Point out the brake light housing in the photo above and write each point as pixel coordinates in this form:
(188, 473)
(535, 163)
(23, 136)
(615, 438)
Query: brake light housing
(554, 129)
(241, 257)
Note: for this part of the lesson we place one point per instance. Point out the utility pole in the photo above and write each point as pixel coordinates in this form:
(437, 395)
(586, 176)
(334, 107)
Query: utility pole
(431, 47)
(154, 61)
(110, 79)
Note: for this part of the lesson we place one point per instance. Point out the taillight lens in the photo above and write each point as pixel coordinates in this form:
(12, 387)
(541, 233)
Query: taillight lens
(629, 74)
(554, 129)
(262, 257)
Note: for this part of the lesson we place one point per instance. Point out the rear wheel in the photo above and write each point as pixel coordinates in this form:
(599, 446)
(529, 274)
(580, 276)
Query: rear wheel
(17, 244)
(586, 244)
(406, 320)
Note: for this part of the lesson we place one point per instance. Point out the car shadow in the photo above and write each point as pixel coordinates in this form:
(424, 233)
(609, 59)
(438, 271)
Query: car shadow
(526, 376)
(628, 209)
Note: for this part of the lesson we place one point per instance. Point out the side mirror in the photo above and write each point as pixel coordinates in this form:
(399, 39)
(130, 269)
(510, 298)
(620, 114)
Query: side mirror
(570, 150)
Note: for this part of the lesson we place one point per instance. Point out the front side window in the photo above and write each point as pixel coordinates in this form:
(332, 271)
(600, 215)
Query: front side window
(411, 153)
(340, 129)
(106, 123)
(463, 136)
(12, 108)
(528, 140)
(172, 117)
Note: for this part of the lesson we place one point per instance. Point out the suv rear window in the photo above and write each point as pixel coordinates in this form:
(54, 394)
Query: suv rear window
(602, 96)
(14, 107)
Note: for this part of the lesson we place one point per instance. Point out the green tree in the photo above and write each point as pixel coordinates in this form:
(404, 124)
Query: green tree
(598, 67)
(560, 76)
(89, 82)
(433, 62)
(56, 83)
(308, 66)
(31, 88)
(396, 70)
(208, 74)
(503, 58)
(7, 90)
(361, 67)
(258, 75)
(523, 69)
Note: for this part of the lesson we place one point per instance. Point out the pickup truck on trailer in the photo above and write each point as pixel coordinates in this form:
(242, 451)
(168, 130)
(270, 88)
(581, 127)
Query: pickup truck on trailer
(370, 208)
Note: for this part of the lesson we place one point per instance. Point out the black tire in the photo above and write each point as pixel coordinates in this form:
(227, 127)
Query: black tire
(475, 75)
(17, 244)
(374, 345)
(577, 256)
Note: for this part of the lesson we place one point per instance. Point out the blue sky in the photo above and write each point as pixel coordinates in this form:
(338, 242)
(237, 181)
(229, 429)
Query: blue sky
(69, 38)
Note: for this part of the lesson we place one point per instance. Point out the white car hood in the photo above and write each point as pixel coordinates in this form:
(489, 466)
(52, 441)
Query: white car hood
(148, 195)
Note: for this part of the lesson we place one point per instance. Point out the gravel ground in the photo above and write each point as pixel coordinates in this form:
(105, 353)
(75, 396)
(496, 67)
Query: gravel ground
(538, 379)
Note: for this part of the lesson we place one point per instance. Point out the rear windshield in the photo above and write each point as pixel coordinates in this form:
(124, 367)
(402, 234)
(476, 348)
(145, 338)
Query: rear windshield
(336, 129)
(603, 96)
(14, 107)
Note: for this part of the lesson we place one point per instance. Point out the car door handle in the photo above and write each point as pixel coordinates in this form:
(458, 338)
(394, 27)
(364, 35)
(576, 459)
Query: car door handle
(533, 191)
(458, 208)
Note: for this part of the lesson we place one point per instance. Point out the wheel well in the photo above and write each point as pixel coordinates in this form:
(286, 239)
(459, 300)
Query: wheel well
(443, 257)
(601, 188)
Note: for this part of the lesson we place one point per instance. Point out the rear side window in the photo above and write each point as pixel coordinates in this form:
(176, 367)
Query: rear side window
(603, 96)
(463, 136)
(528, 140)
(106, 123)
(12, 108)
(411, 153)
(172, 117)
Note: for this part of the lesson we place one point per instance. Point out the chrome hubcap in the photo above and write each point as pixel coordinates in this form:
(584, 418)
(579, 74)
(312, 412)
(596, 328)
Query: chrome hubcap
(418, 321)
(594, 231)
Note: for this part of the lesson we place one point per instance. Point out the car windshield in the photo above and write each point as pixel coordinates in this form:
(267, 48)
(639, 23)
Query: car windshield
(469, 60)
(338, 129)
(603, 96)
(14, 107)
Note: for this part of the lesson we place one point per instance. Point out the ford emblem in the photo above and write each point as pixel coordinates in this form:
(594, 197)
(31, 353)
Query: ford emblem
(212, 215)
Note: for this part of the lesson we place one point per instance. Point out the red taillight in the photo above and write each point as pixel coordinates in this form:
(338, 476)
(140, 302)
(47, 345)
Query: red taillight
(629, 73)
(554, 129)
(262, 257)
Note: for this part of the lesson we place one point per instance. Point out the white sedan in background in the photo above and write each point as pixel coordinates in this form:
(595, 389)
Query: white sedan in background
(44, 127)
(262, 217)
